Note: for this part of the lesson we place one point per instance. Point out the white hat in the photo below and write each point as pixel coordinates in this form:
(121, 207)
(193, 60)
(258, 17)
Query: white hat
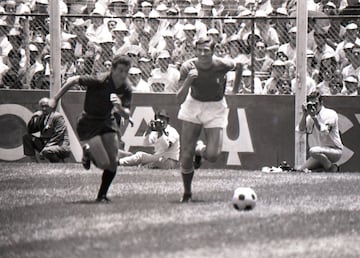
(249, 2)
(232, 21)
(246, 72)
(104, 38)
(21, 9)
(10, 2)
(120, 26)
(154, 14)
(33, 48)
(207, 2)
(139, 15)
(190, 10)
(282, 49)
(99, 10)
(66, 36)
(167, 33)
(260, 13)
(309, 53)
(172, 11)
(351, 26)
(328, 54)
(357, 42)
(349, 45)
(245, 12)
(133, 49)
(189, 26)
(65, 45)
(79, 22)
(3, 23)
(145, 60)
(107, 62)
(351, 79)
(282, 11)
(213, 31)
(37, 39)
(233, 37)
(42, 1)
(293, 30)
(164, 54)
(161, 7)
(278, 62)
(14, 32)
(330, 4)
(146, 4)
(134, 70)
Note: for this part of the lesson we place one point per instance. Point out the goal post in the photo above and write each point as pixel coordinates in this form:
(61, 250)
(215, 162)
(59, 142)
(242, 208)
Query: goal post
(55, 47)
(301, 91)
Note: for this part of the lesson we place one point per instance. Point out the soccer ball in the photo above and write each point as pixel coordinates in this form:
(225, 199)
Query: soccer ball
(244, 198)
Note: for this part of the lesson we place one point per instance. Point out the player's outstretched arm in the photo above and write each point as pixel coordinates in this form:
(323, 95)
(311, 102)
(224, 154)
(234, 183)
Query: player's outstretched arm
(238, 77)
(185, 85)
(68, 84)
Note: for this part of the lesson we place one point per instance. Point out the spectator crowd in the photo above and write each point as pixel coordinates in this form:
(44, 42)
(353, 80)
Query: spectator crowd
(159, 35)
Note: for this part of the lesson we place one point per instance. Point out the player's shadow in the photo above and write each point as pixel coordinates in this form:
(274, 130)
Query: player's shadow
(194, 201)
(88, 202)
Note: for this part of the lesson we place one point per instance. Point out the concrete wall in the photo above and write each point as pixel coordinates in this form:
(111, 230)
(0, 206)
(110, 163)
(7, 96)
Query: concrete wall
(260, 131)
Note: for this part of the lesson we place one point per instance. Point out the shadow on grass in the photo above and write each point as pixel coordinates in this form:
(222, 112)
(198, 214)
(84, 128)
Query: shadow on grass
(193, 201)
(92, 201)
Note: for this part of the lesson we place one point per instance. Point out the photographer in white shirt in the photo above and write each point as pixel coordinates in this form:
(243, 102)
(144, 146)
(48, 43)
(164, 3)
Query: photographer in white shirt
(165, 140)
(321, 125)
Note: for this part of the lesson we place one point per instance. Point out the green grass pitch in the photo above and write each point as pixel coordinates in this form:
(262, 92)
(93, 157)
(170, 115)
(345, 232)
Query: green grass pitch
(47, 210)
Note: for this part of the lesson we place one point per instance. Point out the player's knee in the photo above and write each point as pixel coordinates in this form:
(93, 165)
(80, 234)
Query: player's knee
(138, 156)
(46, 152)
(212, 155)
(187, 158)
(314, 152)
(50, 154)
(112, 166)
(102, 163)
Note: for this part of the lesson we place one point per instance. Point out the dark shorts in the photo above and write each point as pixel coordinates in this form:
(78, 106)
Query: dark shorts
(88, 127)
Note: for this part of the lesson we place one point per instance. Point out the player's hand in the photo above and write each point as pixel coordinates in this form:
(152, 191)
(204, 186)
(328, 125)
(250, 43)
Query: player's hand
(304, 109)
(116, 101)
(193, 74)
(131, 122)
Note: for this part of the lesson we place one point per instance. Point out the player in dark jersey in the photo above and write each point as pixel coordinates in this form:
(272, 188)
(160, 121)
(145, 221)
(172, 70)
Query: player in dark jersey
(201, 92)
(106, 97)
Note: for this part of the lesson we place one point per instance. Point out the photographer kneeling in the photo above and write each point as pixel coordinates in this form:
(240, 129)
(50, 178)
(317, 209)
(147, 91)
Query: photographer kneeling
(165, 140)
(321, 125)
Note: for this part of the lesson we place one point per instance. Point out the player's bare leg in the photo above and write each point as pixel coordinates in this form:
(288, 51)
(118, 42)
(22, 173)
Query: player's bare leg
(212, 150)
(104, 151)
(189, 135)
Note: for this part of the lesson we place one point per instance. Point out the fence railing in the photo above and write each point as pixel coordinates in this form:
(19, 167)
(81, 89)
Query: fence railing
(157, 45)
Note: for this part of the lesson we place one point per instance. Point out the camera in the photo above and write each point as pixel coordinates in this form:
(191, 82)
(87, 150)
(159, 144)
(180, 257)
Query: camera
(310, 106)
(157, 125)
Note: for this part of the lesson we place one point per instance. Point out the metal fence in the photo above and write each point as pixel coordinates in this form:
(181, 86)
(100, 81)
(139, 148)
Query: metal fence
(157, 45)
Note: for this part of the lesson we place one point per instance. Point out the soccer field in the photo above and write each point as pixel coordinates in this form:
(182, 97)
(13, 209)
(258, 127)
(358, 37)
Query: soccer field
(47, 210)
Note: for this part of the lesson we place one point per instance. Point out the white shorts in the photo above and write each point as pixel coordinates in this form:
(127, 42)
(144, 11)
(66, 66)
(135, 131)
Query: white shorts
(210, 114)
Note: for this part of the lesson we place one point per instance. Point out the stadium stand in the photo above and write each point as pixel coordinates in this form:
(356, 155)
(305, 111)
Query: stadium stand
(253, 32)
